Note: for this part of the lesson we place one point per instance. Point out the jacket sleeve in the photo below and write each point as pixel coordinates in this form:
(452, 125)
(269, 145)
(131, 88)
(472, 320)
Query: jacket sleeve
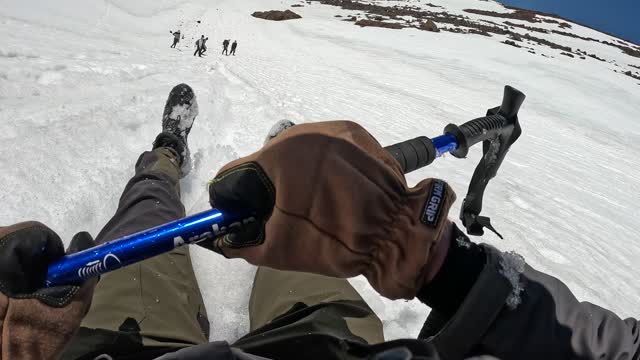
(516, 312)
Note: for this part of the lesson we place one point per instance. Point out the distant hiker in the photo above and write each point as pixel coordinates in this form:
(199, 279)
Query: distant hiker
(233, 47)
(176, 38)
(225, 45)
(203, 47)
(199, 44)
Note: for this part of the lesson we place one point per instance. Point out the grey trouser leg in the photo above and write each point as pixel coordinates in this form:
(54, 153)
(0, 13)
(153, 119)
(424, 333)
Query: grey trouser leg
(158, 298)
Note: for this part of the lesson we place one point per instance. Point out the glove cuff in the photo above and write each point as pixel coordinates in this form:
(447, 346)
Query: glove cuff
(462, 266)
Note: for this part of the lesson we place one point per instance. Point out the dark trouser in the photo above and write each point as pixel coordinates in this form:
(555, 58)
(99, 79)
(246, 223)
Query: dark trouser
(233, 51)
(225, 51)
(196, 52)
(175, 42)
(155, 305)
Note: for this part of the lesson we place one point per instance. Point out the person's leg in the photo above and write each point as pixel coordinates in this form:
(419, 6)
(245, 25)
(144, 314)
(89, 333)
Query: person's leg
(195, 52)
(155, 303)
(275, 292)
(292, 307)
(156, 300)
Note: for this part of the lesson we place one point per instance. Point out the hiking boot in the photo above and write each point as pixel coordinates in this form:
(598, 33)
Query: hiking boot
(180, 111)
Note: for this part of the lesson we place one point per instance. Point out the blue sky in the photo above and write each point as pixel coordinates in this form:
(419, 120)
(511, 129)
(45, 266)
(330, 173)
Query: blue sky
(617, 17)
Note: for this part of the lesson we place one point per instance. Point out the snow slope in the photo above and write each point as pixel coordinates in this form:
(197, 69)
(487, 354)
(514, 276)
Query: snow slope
(83, 84)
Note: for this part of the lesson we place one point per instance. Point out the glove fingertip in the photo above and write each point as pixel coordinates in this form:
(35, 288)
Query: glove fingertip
(80, 241)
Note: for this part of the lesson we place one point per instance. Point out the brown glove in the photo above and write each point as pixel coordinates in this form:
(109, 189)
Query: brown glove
(329, 199)
(36, 322)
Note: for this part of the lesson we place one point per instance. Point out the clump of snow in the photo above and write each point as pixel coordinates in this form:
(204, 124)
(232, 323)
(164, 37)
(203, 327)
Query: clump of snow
(512, 265)
(492, 153)
(463, 242)
(187, 114)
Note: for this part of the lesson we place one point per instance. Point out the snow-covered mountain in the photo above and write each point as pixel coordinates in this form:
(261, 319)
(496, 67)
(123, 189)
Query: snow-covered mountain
(83, 84)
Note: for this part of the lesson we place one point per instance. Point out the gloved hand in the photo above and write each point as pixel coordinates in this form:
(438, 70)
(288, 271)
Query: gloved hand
(36, 322)
(327, 198)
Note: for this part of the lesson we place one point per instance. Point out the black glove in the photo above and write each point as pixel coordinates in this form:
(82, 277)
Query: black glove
(37, 322)
(235, 191)
(26, 250)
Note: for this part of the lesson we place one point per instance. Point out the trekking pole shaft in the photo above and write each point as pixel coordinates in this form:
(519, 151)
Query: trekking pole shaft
(112, 255)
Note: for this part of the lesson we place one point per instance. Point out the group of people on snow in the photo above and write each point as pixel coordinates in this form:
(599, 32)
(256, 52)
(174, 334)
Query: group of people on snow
(225, 46)
(201, 44)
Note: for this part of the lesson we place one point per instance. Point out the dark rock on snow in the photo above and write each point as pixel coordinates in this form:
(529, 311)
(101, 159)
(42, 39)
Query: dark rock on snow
(512, 43)
(381, 24)
(276, 15)
(429, 26)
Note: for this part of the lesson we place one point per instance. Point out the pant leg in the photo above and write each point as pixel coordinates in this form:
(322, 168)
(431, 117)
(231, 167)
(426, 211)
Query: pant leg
(293, 311)
(157, 299)
(276, 292)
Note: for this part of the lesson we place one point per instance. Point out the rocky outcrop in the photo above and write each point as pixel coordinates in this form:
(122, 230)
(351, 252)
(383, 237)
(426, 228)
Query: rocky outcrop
(429, 26)
(276, 15)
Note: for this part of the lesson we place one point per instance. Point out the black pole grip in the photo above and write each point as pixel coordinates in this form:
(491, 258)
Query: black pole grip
(413, 154)
(496, 123)
(474, 131)
(512, 99)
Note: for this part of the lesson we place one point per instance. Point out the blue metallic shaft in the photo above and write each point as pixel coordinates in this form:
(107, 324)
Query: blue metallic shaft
(73, 269)
(444, 144)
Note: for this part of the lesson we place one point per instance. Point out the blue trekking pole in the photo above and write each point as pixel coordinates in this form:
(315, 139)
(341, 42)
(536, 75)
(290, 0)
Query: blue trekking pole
(497, 131)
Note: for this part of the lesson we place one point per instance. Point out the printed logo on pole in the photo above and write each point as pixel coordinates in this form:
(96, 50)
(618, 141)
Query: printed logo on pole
(98, 267)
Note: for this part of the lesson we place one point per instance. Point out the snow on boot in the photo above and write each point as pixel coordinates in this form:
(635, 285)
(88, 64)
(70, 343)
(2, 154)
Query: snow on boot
(277, 128)
(180, 111)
